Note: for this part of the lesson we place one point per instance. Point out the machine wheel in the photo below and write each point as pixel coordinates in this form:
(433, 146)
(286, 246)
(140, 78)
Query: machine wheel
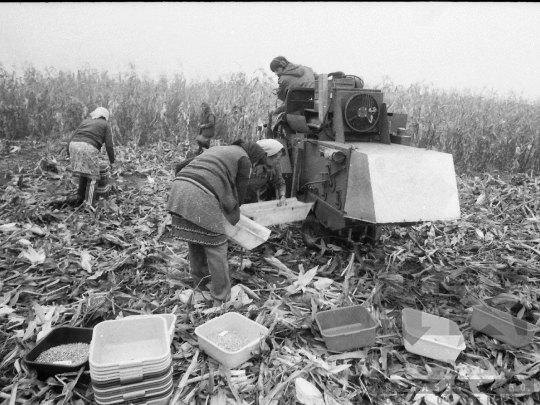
(312, 230)
(373, 234)
(368, 234)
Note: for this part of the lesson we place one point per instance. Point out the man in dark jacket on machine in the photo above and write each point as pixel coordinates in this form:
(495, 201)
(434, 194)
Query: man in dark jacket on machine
(289, 75)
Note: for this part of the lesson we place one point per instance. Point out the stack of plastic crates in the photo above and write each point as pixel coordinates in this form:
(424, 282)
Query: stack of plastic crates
(130, 362)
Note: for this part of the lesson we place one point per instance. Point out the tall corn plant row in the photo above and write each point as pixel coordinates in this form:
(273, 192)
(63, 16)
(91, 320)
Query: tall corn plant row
(483, 132)
(53, 104)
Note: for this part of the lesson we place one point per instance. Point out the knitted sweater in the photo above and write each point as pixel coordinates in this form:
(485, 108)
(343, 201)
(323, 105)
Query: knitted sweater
(224, 171)
(96, 132)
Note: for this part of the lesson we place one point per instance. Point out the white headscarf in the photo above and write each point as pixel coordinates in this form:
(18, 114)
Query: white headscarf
(270, 146)
(100, 112)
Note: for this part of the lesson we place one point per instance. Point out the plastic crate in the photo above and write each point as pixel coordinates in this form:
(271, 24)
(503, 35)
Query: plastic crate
(147, 389)
(140, 398)
(247, 233)
(347, 328)
(231, 322)
(56, 337)
(136, 342)
(105, 391)
(502, 326)
(267, 213)
(431, 336)
(169, 318)
(121, 377)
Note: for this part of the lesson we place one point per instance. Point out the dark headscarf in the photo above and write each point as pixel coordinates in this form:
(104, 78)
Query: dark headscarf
(255, 153)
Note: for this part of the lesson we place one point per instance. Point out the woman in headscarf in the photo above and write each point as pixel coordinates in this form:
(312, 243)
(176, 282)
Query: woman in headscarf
(266, 181)
(207, 127)
(212, 186)
(84, 149)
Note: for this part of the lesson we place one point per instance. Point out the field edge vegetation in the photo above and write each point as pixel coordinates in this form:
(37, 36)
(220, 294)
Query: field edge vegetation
(482, 132)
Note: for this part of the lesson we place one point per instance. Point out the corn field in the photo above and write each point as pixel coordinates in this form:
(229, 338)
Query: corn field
(52, 105)
(483, 133)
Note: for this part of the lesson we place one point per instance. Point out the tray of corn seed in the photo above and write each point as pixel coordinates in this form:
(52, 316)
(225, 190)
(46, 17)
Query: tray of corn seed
(65, 349)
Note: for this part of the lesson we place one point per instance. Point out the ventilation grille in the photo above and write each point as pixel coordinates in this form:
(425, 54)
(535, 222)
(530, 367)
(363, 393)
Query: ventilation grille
(362, 112)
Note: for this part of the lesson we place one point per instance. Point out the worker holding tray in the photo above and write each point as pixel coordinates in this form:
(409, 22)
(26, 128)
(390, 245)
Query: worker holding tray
(209, 187)
(266, 182)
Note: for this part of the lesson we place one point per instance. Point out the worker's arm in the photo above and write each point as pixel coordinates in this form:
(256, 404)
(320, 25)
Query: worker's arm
(242, 178)
(211, 122)
(109, 143)
(181, 165)
(279, 185)
(284, 85)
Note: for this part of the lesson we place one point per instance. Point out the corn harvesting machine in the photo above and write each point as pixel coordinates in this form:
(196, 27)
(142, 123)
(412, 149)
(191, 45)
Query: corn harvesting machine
(352, 159)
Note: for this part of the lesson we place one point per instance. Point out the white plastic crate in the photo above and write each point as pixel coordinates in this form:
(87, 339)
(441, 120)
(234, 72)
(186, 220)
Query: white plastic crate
(134, 392)
(268, 213)
(431, 336)
(247, 233)
(108, 391)
(136, 342)
(231, 322)
(140, 398)
(133, 373)
(169, 318)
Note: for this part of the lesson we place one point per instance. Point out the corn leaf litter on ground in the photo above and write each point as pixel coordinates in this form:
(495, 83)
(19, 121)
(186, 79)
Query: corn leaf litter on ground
(79, 267)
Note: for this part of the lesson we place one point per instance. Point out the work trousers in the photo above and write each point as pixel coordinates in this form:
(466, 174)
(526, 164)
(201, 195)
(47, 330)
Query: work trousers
(209, 263)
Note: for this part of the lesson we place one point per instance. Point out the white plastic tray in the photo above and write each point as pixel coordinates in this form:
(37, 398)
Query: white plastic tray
(247, 233)
(169, 318)
(431, 336)
(137, 342)
(138, 398)
(268, 213)
(231, 322)
(126, 374)
(148, 385)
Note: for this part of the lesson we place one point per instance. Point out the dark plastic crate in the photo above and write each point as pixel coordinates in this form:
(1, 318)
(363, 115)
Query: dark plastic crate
(347, 328)
(56, 337)
(502, 326)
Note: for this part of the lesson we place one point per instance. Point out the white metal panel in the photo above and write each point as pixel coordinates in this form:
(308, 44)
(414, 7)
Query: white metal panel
(397, 183)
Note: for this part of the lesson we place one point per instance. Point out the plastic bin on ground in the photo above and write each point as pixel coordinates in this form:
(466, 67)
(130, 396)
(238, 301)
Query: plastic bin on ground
(268, 213)
(502, 326)
(56, 337)
(247, 233)
(169, 318)
(347, 328)
(431, 336)
(130, 341)
(251, 332)
(130, 361)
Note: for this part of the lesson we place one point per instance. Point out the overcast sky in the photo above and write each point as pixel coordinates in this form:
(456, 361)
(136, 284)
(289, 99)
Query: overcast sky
(477, 46)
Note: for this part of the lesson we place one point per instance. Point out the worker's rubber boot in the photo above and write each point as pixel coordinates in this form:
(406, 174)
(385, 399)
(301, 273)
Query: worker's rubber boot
(78, 199)
(81, 190)
(91, 192)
